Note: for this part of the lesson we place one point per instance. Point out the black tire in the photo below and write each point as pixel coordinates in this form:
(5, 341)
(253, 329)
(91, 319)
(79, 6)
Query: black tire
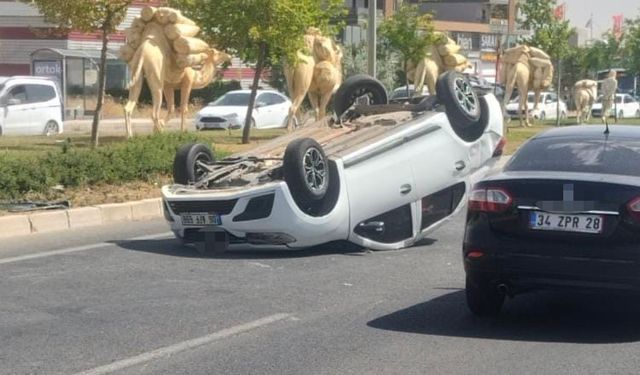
(467, 113)
(305, 158)
(355, 87)
(483, 298)
(51, 128)
(185, 168)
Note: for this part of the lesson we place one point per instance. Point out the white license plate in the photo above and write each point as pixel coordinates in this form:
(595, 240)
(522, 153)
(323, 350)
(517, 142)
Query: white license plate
(200, 219)
(566, 223)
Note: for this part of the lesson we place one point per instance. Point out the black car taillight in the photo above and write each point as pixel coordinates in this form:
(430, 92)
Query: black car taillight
(634, 208)
(489, 200)
(500, 147)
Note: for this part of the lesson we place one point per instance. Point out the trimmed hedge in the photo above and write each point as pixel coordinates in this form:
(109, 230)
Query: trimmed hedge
(138, 159)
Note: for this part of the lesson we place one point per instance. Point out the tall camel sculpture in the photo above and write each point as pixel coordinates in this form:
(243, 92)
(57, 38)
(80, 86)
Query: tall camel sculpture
(317, 72)
(585, 93)
(443, 56)
(526, 68)
(161, 48)
(609, 88)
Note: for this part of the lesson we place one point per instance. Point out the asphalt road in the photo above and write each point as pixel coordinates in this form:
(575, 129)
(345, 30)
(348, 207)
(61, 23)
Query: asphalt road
(128, 299)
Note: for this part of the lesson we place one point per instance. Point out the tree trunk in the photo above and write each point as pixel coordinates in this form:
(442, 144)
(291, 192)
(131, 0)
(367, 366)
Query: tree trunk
(102, 76)
(254, 88)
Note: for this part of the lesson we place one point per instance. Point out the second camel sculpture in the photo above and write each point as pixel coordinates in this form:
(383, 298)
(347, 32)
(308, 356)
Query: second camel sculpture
(317, 72)
(526, 68)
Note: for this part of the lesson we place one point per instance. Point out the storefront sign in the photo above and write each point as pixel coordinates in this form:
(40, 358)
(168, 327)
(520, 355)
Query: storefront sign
(489, 56)
(489, 41)
(464, 40)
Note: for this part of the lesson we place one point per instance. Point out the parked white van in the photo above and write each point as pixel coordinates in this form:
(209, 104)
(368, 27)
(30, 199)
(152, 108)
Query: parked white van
(30, 105)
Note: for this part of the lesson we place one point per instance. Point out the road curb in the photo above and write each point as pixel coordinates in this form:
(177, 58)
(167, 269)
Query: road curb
(81, 217)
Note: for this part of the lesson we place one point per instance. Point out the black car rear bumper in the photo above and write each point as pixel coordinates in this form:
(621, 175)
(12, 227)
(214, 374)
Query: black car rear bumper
(525, 264)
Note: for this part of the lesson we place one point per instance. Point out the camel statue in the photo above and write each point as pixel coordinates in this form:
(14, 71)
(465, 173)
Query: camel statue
(443, 56)
(526, 68)
(327, 74)
(161, 47)
(609, 88)
(585, 93)
(299, 75)
(317, 72)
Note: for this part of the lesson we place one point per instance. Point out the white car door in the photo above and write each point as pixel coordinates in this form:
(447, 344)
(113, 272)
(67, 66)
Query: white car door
(44, 106)
(381, 187)
(261, 111)
(17, 111)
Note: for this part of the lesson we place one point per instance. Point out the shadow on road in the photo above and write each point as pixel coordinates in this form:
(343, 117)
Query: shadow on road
(172, 247)
(538, 317)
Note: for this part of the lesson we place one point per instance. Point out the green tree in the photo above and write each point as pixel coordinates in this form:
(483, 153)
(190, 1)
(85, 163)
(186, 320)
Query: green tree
(409, 33)
(631, 48)
(549, 33)
(260, 31)
(355, 62)
(102, 16)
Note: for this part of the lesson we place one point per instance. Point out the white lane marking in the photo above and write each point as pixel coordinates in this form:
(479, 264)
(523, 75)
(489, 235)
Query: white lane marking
(185, 345)
(78, 249)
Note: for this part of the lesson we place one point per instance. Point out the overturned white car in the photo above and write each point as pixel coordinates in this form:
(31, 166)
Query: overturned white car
(382, 181)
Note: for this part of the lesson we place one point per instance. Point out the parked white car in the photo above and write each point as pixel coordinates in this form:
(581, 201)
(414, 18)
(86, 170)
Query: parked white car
(626, 105)
(230, 110)
(30, 106)
(547, 106)
(400, 94)
(383, 182)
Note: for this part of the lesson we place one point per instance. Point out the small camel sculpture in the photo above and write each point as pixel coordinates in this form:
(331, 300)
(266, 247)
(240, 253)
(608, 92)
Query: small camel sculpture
(525, 67)
(585, 93)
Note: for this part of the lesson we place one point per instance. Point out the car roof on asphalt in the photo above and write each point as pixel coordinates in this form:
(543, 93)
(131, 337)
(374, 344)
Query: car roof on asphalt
(592, 132)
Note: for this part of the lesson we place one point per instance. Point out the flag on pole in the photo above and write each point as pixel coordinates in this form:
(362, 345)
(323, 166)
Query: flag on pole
(589, 23)
(560, 11)
(617, 25)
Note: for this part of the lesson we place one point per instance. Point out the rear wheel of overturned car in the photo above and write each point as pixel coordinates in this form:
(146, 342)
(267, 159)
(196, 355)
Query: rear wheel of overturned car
(462, 104)
(359, 89)
(306, 171)
(51, 128)
(187, 164)
(483, 298)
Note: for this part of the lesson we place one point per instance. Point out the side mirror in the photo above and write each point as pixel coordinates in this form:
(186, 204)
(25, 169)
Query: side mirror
(13, 101)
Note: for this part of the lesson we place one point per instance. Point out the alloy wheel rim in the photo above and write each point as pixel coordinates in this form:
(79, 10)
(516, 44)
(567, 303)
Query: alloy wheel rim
(315, 169)
(465, 96)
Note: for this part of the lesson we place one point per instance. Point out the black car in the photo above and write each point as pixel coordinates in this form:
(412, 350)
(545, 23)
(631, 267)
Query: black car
(564, 214)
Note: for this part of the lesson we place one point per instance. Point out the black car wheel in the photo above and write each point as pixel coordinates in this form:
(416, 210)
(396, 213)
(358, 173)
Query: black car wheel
(306, 171)
(483, 298)
(358, 89)
(186, 164)
(464, 108)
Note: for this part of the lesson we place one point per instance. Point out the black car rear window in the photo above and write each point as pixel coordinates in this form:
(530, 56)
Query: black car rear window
(619, 156)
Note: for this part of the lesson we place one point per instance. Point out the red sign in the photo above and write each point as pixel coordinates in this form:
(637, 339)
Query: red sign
(617, 25)
(560, 11)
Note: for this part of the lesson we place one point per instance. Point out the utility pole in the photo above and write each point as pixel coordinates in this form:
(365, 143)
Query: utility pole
(372, 38)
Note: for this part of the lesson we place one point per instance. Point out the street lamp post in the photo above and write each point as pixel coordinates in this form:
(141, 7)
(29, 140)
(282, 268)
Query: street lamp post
(371, 38)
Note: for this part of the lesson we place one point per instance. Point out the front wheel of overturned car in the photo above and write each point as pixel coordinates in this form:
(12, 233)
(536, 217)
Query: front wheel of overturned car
(359, 89)
(187, 164)
(483, 298)
(466, 112)
(306, 171)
